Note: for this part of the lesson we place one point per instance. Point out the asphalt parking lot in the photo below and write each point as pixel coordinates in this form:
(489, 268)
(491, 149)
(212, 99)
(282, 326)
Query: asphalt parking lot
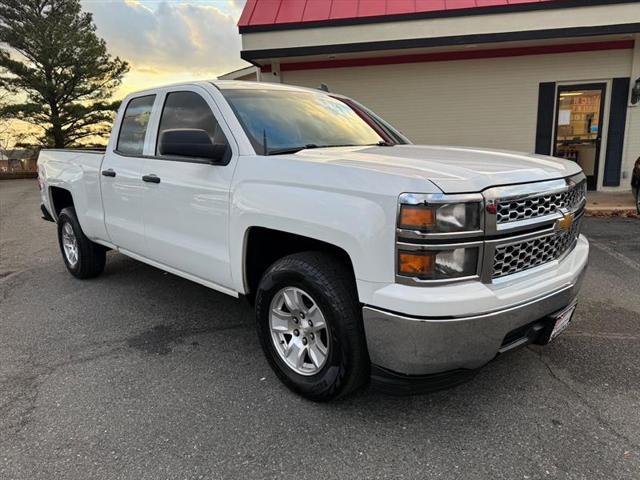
(140, 374)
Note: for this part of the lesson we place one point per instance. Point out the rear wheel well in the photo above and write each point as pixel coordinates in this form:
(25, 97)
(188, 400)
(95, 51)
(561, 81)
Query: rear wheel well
(264, 246)
(60, 198)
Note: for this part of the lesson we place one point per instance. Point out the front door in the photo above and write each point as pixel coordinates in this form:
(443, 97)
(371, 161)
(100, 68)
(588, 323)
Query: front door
(123, 190)
(579, 123)
(187, 212)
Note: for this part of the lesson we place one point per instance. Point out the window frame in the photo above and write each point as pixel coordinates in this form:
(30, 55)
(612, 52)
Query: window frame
(147, 129)
(154, 143)
(153, 126)
(217, 115)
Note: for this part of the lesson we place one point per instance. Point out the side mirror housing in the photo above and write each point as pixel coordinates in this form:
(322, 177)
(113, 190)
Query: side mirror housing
(192, 143)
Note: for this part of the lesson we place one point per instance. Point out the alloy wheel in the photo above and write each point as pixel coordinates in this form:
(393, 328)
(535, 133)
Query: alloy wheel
(299, 331)
(70, 244)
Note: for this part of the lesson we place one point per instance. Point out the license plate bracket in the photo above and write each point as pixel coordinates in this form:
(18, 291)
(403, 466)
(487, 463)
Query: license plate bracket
(561, 320)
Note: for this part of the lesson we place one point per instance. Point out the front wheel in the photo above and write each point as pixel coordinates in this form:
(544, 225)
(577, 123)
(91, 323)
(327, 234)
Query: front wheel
(310, 326)
(82, 257)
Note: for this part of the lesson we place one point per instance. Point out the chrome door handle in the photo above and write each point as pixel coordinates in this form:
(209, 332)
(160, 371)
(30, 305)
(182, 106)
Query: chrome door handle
(108, 173)
(151, 178)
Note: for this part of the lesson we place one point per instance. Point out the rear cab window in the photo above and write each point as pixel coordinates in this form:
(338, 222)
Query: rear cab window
(133, 128)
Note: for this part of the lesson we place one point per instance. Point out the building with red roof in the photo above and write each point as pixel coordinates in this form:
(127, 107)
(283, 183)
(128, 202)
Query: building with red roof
(547, 76)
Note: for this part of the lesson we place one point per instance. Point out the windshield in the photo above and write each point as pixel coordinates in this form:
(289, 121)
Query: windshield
(291, 120)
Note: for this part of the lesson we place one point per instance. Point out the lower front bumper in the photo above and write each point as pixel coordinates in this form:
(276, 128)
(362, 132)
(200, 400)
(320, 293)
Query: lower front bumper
(425, 346)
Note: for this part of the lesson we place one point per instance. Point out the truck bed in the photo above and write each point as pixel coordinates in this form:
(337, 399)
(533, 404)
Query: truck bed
(77, 171)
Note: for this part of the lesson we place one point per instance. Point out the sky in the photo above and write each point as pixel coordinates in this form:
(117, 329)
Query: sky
(164, 41)
(168, 41)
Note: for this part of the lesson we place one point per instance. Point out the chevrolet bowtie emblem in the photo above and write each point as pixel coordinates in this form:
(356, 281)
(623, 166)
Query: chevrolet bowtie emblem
(565, 222)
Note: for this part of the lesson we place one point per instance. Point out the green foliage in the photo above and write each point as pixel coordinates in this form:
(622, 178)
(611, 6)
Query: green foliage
(51, 57)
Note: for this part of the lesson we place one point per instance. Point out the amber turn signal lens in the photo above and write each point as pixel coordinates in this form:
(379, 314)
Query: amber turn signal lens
(417, 263)
(417, 217)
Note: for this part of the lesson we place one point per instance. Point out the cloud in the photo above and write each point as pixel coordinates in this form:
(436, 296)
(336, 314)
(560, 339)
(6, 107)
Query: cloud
(239, 3)
(171, 39)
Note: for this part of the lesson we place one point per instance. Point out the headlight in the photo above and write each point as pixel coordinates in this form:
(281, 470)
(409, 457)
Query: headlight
(441, 264)
(439, 237)
(440, 213)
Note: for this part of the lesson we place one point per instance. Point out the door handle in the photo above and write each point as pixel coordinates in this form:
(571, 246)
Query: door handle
(151, 178)
(108, 173)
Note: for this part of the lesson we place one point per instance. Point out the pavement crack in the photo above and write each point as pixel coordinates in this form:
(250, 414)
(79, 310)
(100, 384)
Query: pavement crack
(17, 382)
(18, 410)
(601, 420)
(8, 275)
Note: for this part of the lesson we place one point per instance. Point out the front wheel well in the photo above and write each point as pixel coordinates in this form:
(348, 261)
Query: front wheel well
(264, 246)
(60, 198)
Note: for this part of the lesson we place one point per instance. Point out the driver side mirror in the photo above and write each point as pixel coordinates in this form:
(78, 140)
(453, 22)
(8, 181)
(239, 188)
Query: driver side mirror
(193, 143)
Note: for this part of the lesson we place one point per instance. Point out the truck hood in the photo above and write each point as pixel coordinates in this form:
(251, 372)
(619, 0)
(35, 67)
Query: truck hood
(452, 169)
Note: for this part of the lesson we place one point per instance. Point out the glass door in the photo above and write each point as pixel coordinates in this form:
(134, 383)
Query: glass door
(579, 123)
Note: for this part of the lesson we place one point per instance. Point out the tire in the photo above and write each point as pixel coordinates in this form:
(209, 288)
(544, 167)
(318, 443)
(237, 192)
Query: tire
(89, 257)
(316, 278)
(638, 200)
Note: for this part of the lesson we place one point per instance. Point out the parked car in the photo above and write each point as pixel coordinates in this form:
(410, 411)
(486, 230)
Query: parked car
(635, 183)
(366, 257)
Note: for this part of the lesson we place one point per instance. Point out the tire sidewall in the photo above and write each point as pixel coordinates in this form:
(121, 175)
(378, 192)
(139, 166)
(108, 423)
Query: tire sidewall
(336, 367)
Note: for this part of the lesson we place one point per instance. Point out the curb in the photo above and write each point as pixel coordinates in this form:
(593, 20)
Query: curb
(629, 212)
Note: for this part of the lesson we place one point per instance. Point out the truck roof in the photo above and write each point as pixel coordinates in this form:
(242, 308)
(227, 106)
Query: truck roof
(248, 85)
(229, 84)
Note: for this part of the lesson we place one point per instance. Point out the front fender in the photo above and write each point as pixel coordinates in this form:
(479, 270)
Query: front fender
(361, 225)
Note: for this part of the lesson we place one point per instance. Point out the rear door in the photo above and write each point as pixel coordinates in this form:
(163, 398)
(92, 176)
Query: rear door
(187, 211)
(123, 190)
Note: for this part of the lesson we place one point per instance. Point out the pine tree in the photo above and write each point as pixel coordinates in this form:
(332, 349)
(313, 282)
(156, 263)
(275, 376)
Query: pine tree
(52, 61)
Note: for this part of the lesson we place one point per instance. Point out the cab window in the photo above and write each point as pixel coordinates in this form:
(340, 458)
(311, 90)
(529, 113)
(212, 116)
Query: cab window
(134, 125)
(187, 116)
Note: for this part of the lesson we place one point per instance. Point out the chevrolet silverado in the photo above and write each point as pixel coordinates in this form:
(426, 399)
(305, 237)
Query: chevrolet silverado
(365, 256)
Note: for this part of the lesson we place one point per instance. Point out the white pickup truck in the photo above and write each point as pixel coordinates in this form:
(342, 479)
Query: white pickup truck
(366, 257)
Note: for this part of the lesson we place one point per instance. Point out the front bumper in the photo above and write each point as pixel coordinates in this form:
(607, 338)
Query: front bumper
(419, 345)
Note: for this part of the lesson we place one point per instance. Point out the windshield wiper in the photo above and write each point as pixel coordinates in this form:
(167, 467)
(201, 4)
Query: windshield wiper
(284, 151)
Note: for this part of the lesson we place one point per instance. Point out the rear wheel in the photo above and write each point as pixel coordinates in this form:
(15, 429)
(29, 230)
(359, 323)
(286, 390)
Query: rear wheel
(638, 200)
(82, 257)
(309, 324)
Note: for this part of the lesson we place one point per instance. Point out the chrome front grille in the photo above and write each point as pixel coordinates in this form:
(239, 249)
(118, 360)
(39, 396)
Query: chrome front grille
(538, 206)
(532, 225)
(517, 257)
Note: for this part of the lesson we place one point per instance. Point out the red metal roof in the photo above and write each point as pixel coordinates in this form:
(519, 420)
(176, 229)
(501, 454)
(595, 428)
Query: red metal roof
(275, 12)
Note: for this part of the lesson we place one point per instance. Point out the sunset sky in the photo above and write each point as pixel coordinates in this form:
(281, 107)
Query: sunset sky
(168, 41)
(164, 41)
